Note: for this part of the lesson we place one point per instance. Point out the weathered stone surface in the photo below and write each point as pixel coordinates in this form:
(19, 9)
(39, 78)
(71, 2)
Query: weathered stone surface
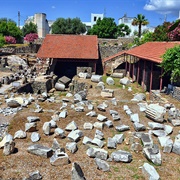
(88, 126)
(102, 165)
(116, 117)
(110, 81)
(12, 103)
(9, 148)
(168, 146)
(101, 107)
(107, 93)
(6, 138)
(59, 86)
(74, 136)
(153, 154)
(155, 125)
(90, 106)
(20, 134)
(97, 142)
(97, 153)
(146, 140)
(71, 126)
(79, 109)
(150, 172)
(108, 123)
(121, 156)
(114, 101)
(155, 112)
(55, 145)
(111, 143)
(91, 114)
(96, 78)
(63, 114)
(72, 147)
(30, 127)
(34, 176)
(99, 133)
(59, 158)
(76, 172)
(40, 150)
(98, 125)
(168, 129)
(46, 128)
(125, 81)
(113, 112)
(59, 133)
(176, 145)
(33, 119)
(101, 118)
(53, 123)
(136, 147)
(122, 128)
(35, 137)
(86, 140)
(139, 127)
(134, 117)
(159, 133)
(175, 122)
(118, 138)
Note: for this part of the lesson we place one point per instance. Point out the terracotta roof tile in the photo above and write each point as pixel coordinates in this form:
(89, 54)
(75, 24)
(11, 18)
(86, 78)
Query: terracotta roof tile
(69, 47)
(152, 51)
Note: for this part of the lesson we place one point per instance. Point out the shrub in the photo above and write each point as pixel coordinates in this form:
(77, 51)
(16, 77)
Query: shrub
(10, 40)
(31, 37)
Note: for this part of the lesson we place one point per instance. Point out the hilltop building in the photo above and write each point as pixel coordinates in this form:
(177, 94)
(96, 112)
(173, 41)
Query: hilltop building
(94, 18)
(128, 21)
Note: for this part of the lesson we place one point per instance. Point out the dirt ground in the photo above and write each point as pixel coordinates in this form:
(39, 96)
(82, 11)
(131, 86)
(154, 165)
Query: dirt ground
(19, 164)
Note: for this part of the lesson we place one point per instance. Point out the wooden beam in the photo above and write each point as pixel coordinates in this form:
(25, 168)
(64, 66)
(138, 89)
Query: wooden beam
(133, 70)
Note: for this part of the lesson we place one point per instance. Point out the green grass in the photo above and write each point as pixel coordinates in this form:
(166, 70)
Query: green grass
(137, 176)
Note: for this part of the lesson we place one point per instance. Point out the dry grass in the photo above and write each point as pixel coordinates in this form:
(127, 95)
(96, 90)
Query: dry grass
(21, 163)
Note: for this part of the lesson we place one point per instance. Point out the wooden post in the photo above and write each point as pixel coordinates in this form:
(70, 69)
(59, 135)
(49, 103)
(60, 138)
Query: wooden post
(151, 77)
(95, 67)
(130, 67)
(125, 57)
(161, 80)
(133, 70)
(144, 73)
(138, 72)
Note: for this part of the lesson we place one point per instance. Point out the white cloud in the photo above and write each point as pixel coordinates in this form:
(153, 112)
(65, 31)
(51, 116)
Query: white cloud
(53, 7)
(163, 6)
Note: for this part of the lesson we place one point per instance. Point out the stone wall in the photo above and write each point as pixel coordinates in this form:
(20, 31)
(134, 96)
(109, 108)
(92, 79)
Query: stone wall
(109, 47)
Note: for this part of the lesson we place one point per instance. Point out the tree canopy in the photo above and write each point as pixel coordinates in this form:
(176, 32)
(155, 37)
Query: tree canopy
(8, 28)
(105, 28)
(68, 26)
(171, 63)
(140, 21)
(161, 32)
(29, 28)
(123, 30)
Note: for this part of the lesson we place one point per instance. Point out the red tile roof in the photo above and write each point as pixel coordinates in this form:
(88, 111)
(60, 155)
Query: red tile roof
(69, 47)
(152, 51)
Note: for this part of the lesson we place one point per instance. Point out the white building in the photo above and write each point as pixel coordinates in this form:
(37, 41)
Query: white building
(43, 25)
(128, 21)
(94, 18)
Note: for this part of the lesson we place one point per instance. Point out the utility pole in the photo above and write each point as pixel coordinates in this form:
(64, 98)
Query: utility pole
(19, 19)
(104, 12)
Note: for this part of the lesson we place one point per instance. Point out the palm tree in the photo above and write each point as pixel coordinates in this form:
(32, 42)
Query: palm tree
(140, 21)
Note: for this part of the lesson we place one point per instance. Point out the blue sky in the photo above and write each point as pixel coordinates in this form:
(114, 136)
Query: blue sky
(154, 10)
